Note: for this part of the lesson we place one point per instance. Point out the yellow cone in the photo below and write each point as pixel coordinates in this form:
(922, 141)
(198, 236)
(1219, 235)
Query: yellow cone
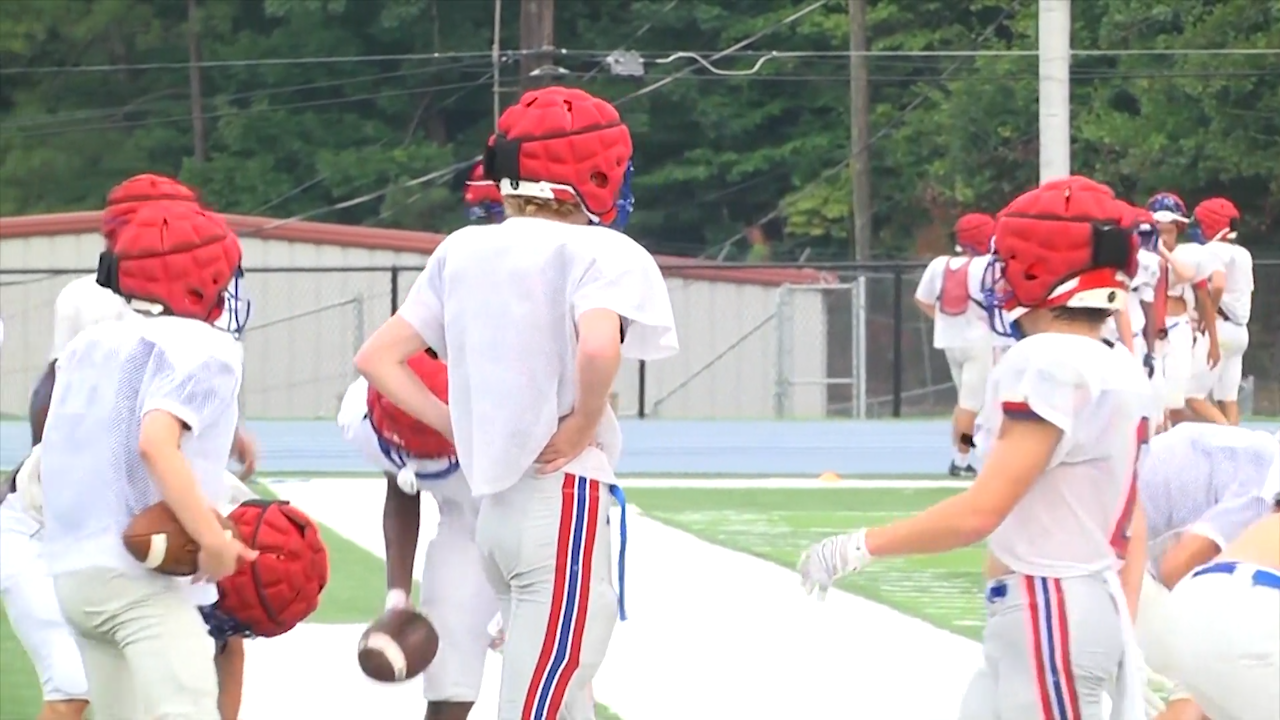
(828, 477)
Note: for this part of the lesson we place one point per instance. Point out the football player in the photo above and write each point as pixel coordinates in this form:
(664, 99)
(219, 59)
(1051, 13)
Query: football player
(1055, 497)
(960, 327)
(456, 595)
(145, 410)
(1191, 337)
(1201, 485)
(533, 316)
(1227, 619)
(1217, 221)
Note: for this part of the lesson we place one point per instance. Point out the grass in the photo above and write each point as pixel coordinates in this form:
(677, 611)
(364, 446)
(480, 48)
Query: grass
(19, 686)
(777, 525)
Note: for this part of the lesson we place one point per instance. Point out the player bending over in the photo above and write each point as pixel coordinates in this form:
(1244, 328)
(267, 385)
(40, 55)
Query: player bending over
(1217, 221)
(960, 327)
(456, 595)
(146, 410)
(1227, 620)
(533, 316)
(1055, 494)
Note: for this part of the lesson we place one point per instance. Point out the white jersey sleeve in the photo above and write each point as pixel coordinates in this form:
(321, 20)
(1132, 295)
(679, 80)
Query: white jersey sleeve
(623, 277)
(195, 388)
(82, 304)
(930, 286)
(1144, 282)
(423, 307)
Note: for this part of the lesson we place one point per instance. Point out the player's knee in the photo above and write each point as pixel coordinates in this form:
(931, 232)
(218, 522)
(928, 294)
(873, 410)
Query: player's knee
(448, 710)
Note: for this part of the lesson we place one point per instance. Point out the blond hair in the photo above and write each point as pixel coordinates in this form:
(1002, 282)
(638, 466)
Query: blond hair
(519, 206)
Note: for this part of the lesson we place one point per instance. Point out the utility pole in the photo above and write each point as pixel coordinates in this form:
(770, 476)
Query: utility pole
(538, 33)
(1054, 49)
(496, 57)
(197, 86)
(859, 130)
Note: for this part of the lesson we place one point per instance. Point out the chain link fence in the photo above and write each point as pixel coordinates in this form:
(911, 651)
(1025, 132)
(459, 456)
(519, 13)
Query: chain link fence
(759, 342)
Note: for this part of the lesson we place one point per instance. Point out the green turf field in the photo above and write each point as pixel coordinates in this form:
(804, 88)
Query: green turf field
(778, 524)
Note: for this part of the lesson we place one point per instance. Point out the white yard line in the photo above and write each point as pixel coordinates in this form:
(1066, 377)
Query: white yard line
(713, 633)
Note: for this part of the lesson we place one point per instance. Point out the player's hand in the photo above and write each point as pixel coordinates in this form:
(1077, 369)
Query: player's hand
(245, 451)
(1215, 355)
(573, 436)
(1149, 362)
(221, 559)
(830, 559)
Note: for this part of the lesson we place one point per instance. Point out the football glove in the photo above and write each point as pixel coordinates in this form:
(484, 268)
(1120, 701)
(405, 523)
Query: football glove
(1149, 362)
(830, 559)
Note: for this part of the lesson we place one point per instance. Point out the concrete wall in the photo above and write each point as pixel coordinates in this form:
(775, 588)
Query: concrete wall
(306, 326)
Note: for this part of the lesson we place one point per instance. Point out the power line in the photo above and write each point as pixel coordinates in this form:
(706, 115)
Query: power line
(319, 60)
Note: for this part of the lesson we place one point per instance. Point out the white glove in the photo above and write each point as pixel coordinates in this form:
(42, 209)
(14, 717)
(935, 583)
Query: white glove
(832, 558)
(396, 599)
(407, 480)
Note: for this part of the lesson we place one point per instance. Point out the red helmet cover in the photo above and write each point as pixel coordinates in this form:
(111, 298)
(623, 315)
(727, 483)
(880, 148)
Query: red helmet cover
(125, 199)
(973, 232)
(174, 254)
(1049, 236)
(282, 587)
(567, 137)
(1217, 218)
(480, 189)
(403, 430)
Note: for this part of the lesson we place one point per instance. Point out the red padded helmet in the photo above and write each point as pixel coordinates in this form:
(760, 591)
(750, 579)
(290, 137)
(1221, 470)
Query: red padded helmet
(282, 587)
(1068, 243)
(479, 189)
(125, 199)
(172, 258)
(973, 233)
(1218, 218)
(402, 430)
(564, 144)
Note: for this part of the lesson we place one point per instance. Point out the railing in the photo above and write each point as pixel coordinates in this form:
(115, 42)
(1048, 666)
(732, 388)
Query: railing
(820, 341)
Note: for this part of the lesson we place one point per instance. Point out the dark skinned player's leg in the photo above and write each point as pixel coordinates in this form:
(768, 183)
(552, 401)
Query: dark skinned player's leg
(230, 664)
(38, 409)
(401, 517)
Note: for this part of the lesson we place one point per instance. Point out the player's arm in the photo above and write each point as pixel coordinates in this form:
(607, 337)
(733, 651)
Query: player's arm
(1135, 559)
(1124, 328)
(178, 402)
(1181, 269)
(598, 359)
(41, 397)
(401, 515)
(230, 667)
(1023, 449)
(1206, 539)
(417, 325)
(930, 286)
(1207, 309)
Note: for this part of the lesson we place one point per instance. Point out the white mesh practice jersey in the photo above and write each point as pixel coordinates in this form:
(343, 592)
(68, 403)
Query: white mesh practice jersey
(82, 304)
(1207, 479)
(1203, 264)
(1237, 296)
(970, 329)
(1141, 289)
(500, 304)
(110, 375)
(1072, 519)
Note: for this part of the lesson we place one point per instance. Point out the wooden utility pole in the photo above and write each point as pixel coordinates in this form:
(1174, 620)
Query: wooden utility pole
(859, 130)
(537, 32)
(193, 75)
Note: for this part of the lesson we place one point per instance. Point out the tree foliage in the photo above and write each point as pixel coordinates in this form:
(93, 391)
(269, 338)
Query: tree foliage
(95, 90)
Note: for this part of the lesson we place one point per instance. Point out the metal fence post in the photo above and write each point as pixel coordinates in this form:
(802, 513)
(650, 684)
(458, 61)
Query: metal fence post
(897, 342)
(782, 378)
(860, 346)
(640, 390)
(357, 306)
(395, 290)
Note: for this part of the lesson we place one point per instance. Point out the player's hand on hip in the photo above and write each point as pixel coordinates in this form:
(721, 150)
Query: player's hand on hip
(221, 559)
(573, 436)
(245, 451)
(831, 558)
(1215, 355)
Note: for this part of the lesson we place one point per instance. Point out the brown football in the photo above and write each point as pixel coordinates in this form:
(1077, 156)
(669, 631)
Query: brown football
(156, 539)
(398, 646)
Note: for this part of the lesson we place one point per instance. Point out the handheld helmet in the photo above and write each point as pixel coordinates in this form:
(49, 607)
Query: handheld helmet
(1068, 243)
(1165, 207)
(1217, 219)
(972, 233)
(173, 258)
(125, 199)
(400, 433)
(481, 195)
(559, 143)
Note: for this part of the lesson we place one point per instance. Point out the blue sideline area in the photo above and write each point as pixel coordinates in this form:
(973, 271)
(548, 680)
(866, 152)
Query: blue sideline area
(651, 447)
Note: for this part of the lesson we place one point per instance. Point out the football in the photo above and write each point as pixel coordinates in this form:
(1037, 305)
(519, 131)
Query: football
(156, 539)
(398, 646)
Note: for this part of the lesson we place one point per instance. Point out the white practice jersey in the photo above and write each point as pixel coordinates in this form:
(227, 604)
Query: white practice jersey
(500, 304)
(82, 304)
(1203, 264)
(1207, 479)
(1070, 521)
(1142, 289)
(112, 374)
(966, 330)
(1237, 296)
